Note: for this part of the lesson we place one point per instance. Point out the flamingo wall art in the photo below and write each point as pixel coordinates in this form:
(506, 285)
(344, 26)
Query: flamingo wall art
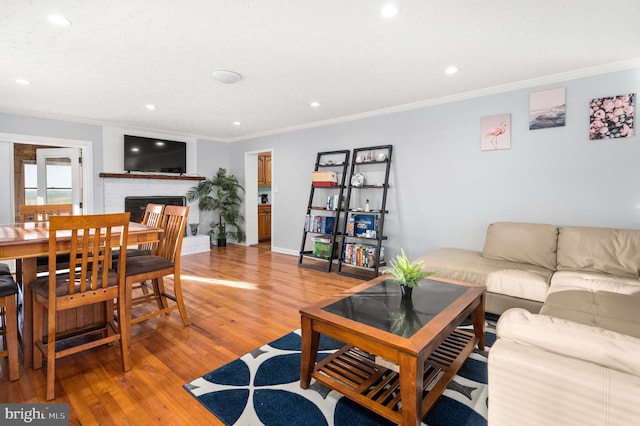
(495, 132)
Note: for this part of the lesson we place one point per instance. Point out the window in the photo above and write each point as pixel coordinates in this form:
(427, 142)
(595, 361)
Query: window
(58, 182)
(30, 182)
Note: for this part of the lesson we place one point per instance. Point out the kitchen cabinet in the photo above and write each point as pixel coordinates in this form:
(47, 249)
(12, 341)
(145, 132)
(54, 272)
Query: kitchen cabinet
(264, 169)
(264, 222)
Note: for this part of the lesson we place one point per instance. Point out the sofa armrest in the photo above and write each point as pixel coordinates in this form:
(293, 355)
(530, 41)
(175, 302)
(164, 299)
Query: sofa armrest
(567, 338)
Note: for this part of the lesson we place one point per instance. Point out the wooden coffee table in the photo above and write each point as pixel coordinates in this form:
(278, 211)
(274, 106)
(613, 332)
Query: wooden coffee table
(399, 354)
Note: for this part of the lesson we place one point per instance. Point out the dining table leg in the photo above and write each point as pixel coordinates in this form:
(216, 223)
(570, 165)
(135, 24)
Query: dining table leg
(29, 271)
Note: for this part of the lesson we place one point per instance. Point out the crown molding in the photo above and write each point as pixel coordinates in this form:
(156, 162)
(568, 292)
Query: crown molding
(503, 88)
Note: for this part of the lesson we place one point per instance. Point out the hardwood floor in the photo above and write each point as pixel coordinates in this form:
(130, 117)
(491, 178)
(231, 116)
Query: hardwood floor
(238, 298)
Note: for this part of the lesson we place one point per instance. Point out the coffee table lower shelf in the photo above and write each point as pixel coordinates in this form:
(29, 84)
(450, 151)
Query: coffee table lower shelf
(355, 374)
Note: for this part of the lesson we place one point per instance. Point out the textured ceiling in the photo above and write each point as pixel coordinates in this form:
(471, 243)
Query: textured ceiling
(118, 56)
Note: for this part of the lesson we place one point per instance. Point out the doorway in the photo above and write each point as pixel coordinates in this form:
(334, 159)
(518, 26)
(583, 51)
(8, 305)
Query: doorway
(47, 175)
(259, 201)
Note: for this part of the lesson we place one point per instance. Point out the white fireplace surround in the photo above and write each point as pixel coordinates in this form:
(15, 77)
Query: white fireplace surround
(116, 189)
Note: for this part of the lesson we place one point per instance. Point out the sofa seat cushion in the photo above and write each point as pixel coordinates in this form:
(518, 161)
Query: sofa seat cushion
(607, 250)
(593, 281)
(601, 300)
(571, 339)
(530, 243)
(525, 284)
(470, 266)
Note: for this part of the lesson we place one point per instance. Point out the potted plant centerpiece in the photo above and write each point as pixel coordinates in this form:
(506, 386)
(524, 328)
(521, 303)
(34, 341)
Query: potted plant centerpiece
(221, 195)
(407, 274)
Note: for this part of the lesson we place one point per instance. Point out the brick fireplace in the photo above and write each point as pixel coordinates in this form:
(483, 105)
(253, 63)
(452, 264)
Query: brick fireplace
(141, 189)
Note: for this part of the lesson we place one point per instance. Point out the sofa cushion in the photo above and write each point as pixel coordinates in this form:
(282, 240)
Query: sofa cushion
(612, 251)
(526, 284)
(611, 311)
(598, 299)
(530, 243)
(568, 338)
(594, 281)
(471, 266)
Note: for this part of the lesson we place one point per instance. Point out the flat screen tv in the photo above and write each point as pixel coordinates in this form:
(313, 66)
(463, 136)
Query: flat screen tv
(154, 155)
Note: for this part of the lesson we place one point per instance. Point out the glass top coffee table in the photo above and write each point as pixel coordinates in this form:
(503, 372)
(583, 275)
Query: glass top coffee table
(399, 353)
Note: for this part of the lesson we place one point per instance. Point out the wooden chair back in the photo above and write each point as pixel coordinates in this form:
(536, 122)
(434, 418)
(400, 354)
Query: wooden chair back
(152, 217)
(174, 222)
(153, 214)
(90, 252)
(42, 212)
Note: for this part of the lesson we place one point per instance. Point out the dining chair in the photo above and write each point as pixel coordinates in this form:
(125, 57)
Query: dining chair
(42, 213)
(4, 269)
(9, 316)
(152, 217)
(153, 267)
(91, 279)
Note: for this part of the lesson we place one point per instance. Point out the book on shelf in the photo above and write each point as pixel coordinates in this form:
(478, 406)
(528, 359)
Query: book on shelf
(362, 254)
(319, 224)
(362, 225)
(333, 202)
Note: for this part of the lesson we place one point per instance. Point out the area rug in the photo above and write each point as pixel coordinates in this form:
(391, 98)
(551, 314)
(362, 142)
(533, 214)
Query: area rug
(263, 388)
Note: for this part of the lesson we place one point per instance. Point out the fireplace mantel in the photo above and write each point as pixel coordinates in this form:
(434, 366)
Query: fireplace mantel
(145, 176)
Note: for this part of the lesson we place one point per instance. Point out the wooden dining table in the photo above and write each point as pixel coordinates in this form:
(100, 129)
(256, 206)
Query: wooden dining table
(30, 240)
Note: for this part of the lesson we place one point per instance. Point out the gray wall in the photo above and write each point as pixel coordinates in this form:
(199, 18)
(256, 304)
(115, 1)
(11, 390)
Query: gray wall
(211, 156)
(445, 191)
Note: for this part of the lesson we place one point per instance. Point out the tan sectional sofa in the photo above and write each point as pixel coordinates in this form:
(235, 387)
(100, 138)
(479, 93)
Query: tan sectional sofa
(523, 263)
(568, 347)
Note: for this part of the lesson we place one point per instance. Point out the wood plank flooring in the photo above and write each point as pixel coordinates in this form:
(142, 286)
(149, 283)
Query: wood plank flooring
(238, 298)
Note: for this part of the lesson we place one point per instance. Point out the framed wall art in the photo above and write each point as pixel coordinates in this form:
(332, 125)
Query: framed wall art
(495, 132)
(547, 109)
(612, 117)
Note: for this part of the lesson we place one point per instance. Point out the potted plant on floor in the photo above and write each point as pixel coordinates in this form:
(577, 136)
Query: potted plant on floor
(407, 274)
(221, 195)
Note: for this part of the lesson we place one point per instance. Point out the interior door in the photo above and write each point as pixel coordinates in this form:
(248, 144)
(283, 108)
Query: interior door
(60, 177)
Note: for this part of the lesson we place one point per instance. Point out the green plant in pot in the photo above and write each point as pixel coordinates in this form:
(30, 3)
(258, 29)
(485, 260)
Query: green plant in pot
(406, 273)
(221, 195)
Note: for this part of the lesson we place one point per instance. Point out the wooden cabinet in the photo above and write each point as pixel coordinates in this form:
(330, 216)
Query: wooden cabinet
(264, 222)
(264, 169)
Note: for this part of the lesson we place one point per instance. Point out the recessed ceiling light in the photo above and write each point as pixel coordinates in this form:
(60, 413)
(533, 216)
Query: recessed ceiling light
(314, 104)
(236, 123)
(451, 70)
(150, 107)
(389, 10)
(59, 20)
(23, 81)
(226, 76)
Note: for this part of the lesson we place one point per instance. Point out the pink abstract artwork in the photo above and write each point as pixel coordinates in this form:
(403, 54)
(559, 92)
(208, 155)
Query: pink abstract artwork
(612, 117)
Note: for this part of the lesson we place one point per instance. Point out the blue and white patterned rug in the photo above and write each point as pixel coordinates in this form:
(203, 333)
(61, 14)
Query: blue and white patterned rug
(263, 388)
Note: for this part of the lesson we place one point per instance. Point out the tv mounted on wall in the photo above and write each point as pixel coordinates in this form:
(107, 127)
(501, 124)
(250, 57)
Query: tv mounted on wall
(154, 155)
